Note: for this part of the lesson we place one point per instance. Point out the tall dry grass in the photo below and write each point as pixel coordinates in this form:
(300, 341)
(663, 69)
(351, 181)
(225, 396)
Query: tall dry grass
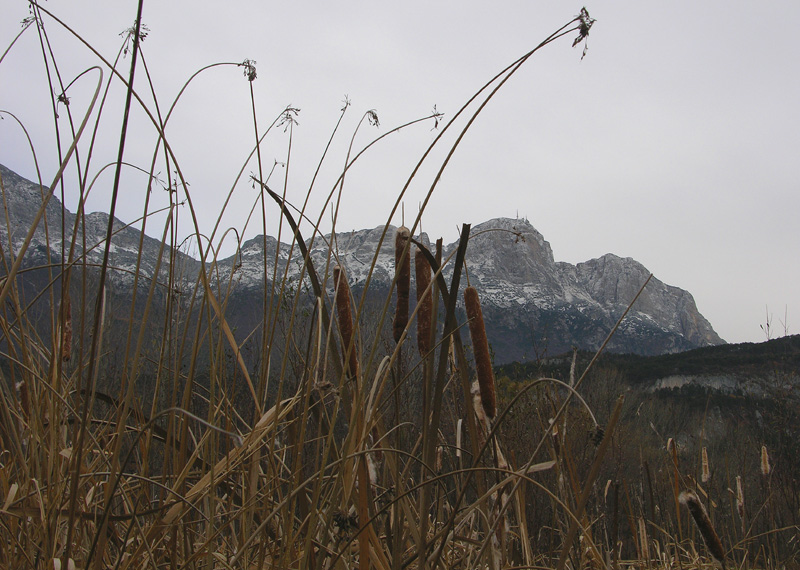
(141, 430)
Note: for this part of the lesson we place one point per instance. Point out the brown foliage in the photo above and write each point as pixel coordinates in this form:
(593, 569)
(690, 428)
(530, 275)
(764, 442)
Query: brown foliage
(402, 268)
(480, 345)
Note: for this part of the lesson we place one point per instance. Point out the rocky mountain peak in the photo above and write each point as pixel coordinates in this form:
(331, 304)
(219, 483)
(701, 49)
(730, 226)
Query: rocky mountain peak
(531, 303)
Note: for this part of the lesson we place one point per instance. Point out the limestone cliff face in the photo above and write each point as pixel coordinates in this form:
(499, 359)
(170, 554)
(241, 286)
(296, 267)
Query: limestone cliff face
(537, 305)
(532, 304)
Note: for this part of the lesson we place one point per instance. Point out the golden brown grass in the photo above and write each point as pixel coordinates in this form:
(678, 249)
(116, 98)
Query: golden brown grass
(146, 431)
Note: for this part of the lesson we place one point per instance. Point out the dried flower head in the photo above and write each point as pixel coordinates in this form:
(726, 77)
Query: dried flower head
(289, 117)
(372, 117)
(249, 69)
(437, 116)
(130, 33)
(585, 23)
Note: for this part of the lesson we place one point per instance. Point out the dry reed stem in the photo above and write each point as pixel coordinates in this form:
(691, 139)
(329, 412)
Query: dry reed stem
(24, 398)
(424, 301)
(345, 317)
(402, 268)
(66, 331)
(643, 540)
(703, 522)
(672, 449)
(706, 472)
(480, 412)
(480, 346)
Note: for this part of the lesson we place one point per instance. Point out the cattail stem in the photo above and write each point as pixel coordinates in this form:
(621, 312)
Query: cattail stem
(480, 345)
(344, 315)
(402, 268)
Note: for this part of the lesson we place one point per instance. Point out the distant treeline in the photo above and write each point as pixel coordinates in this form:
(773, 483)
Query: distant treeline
(755, 359)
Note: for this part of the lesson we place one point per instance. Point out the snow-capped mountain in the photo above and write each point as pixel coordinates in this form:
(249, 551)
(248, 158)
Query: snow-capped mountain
(532, 304)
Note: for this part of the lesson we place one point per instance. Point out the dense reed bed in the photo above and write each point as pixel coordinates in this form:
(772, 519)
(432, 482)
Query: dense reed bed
(140, 430)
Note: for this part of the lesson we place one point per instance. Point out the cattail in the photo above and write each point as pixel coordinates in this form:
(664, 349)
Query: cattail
(765, 466)
(438, 464)
(700, 516)
(705, 474)
(480, 345)
(424, 302)
(345, 318)
(740, 497)
(402, 268)
(66, 331)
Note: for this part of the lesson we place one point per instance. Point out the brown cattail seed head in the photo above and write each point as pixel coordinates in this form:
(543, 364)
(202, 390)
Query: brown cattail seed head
(700, 516)
(402, 269)
(480, 345)
(424, 302)
(706, 473)
(345, 318)
(765, 466)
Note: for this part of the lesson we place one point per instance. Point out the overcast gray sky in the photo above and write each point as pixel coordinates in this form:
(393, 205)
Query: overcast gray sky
(675, 141)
